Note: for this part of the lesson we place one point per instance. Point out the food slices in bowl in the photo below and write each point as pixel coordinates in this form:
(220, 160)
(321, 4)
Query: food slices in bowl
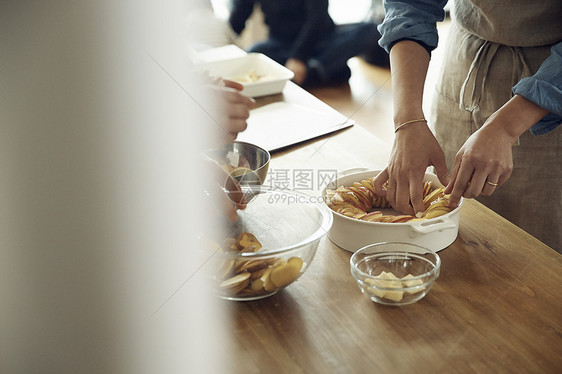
(253, 277)
(359, 201)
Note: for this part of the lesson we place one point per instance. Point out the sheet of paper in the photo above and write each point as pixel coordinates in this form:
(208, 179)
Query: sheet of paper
(281, 124)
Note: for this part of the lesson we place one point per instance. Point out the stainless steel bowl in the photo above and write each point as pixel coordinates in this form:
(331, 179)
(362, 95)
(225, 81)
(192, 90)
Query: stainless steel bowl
(256, 159)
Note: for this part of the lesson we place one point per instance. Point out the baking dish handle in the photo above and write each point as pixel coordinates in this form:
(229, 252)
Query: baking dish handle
(425, 227)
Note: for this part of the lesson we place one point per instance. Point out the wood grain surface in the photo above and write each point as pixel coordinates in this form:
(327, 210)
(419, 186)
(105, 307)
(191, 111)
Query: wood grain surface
(495, 308)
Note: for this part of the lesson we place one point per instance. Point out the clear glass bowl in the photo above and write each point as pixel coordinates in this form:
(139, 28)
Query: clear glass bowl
(395, 273)
(289, 226)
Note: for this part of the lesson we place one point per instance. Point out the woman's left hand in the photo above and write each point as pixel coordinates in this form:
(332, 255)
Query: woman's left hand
(483, 164)
(485, 160)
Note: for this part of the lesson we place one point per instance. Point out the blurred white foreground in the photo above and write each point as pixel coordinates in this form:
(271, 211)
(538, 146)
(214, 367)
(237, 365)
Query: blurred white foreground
(99, 207)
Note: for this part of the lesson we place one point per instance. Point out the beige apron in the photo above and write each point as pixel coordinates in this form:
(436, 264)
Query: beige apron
(491, 46)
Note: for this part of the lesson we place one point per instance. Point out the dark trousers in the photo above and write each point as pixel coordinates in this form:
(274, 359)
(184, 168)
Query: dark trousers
(329, 56)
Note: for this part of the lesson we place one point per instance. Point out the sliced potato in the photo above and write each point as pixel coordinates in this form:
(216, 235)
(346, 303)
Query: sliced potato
(285, 274)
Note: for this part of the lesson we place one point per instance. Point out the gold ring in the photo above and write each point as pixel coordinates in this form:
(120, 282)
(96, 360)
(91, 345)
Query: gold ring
(492, 184)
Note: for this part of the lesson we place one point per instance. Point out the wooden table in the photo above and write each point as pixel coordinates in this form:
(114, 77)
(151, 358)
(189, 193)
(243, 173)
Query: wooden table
(496, 307)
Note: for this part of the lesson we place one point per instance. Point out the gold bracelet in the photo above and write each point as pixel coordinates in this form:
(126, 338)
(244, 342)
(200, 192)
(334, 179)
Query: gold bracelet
(408, 122)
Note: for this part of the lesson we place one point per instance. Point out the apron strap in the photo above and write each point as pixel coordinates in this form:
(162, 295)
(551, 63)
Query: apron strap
(518, 56)
(474, 84)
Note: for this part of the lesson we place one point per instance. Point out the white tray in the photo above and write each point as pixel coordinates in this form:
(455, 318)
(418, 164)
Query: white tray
(273, 76)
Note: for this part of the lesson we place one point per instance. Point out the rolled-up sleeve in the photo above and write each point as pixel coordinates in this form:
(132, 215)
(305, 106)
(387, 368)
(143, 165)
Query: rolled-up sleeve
(413, 19)
(545, 89)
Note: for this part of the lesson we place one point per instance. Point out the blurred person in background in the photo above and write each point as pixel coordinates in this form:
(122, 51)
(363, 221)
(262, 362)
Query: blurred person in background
(497, 110)
(303, 38)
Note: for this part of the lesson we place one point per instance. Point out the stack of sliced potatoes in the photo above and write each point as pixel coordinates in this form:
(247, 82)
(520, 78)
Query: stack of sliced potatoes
(253, 277)
(360, 201)
(388, 286)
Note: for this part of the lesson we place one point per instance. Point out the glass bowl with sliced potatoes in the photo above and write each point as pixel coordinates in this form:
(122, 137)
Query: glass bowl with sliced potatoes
(395, 273)
(270, 246)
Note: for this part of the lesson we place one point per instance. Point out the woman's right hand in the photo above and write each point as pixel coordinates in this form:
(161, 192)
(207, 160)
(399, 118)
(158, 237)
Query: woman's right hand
(414, 149)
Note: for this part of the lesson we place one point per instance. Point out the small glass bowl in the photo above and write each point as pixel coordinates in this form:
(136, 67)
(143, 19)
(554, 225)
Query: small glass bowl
(395, 273)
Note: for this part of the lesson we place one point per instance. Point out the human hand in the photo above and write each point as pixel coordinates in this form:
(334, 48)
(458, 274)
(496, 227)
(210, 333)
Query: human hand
(414, 149)
(298, 67)
(482, 164)
(485, 161)
(227, 203)
(234, 108)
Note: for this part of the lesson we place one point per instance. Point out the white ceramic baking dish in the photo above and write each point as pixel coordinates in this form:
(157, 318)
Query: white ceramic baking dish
(353, 234)
(273, 76)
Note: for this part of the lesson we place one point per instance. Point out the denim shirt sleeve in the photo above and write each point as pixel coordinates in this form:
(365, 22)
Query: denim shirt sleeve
(411, 19)
(545, 89)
